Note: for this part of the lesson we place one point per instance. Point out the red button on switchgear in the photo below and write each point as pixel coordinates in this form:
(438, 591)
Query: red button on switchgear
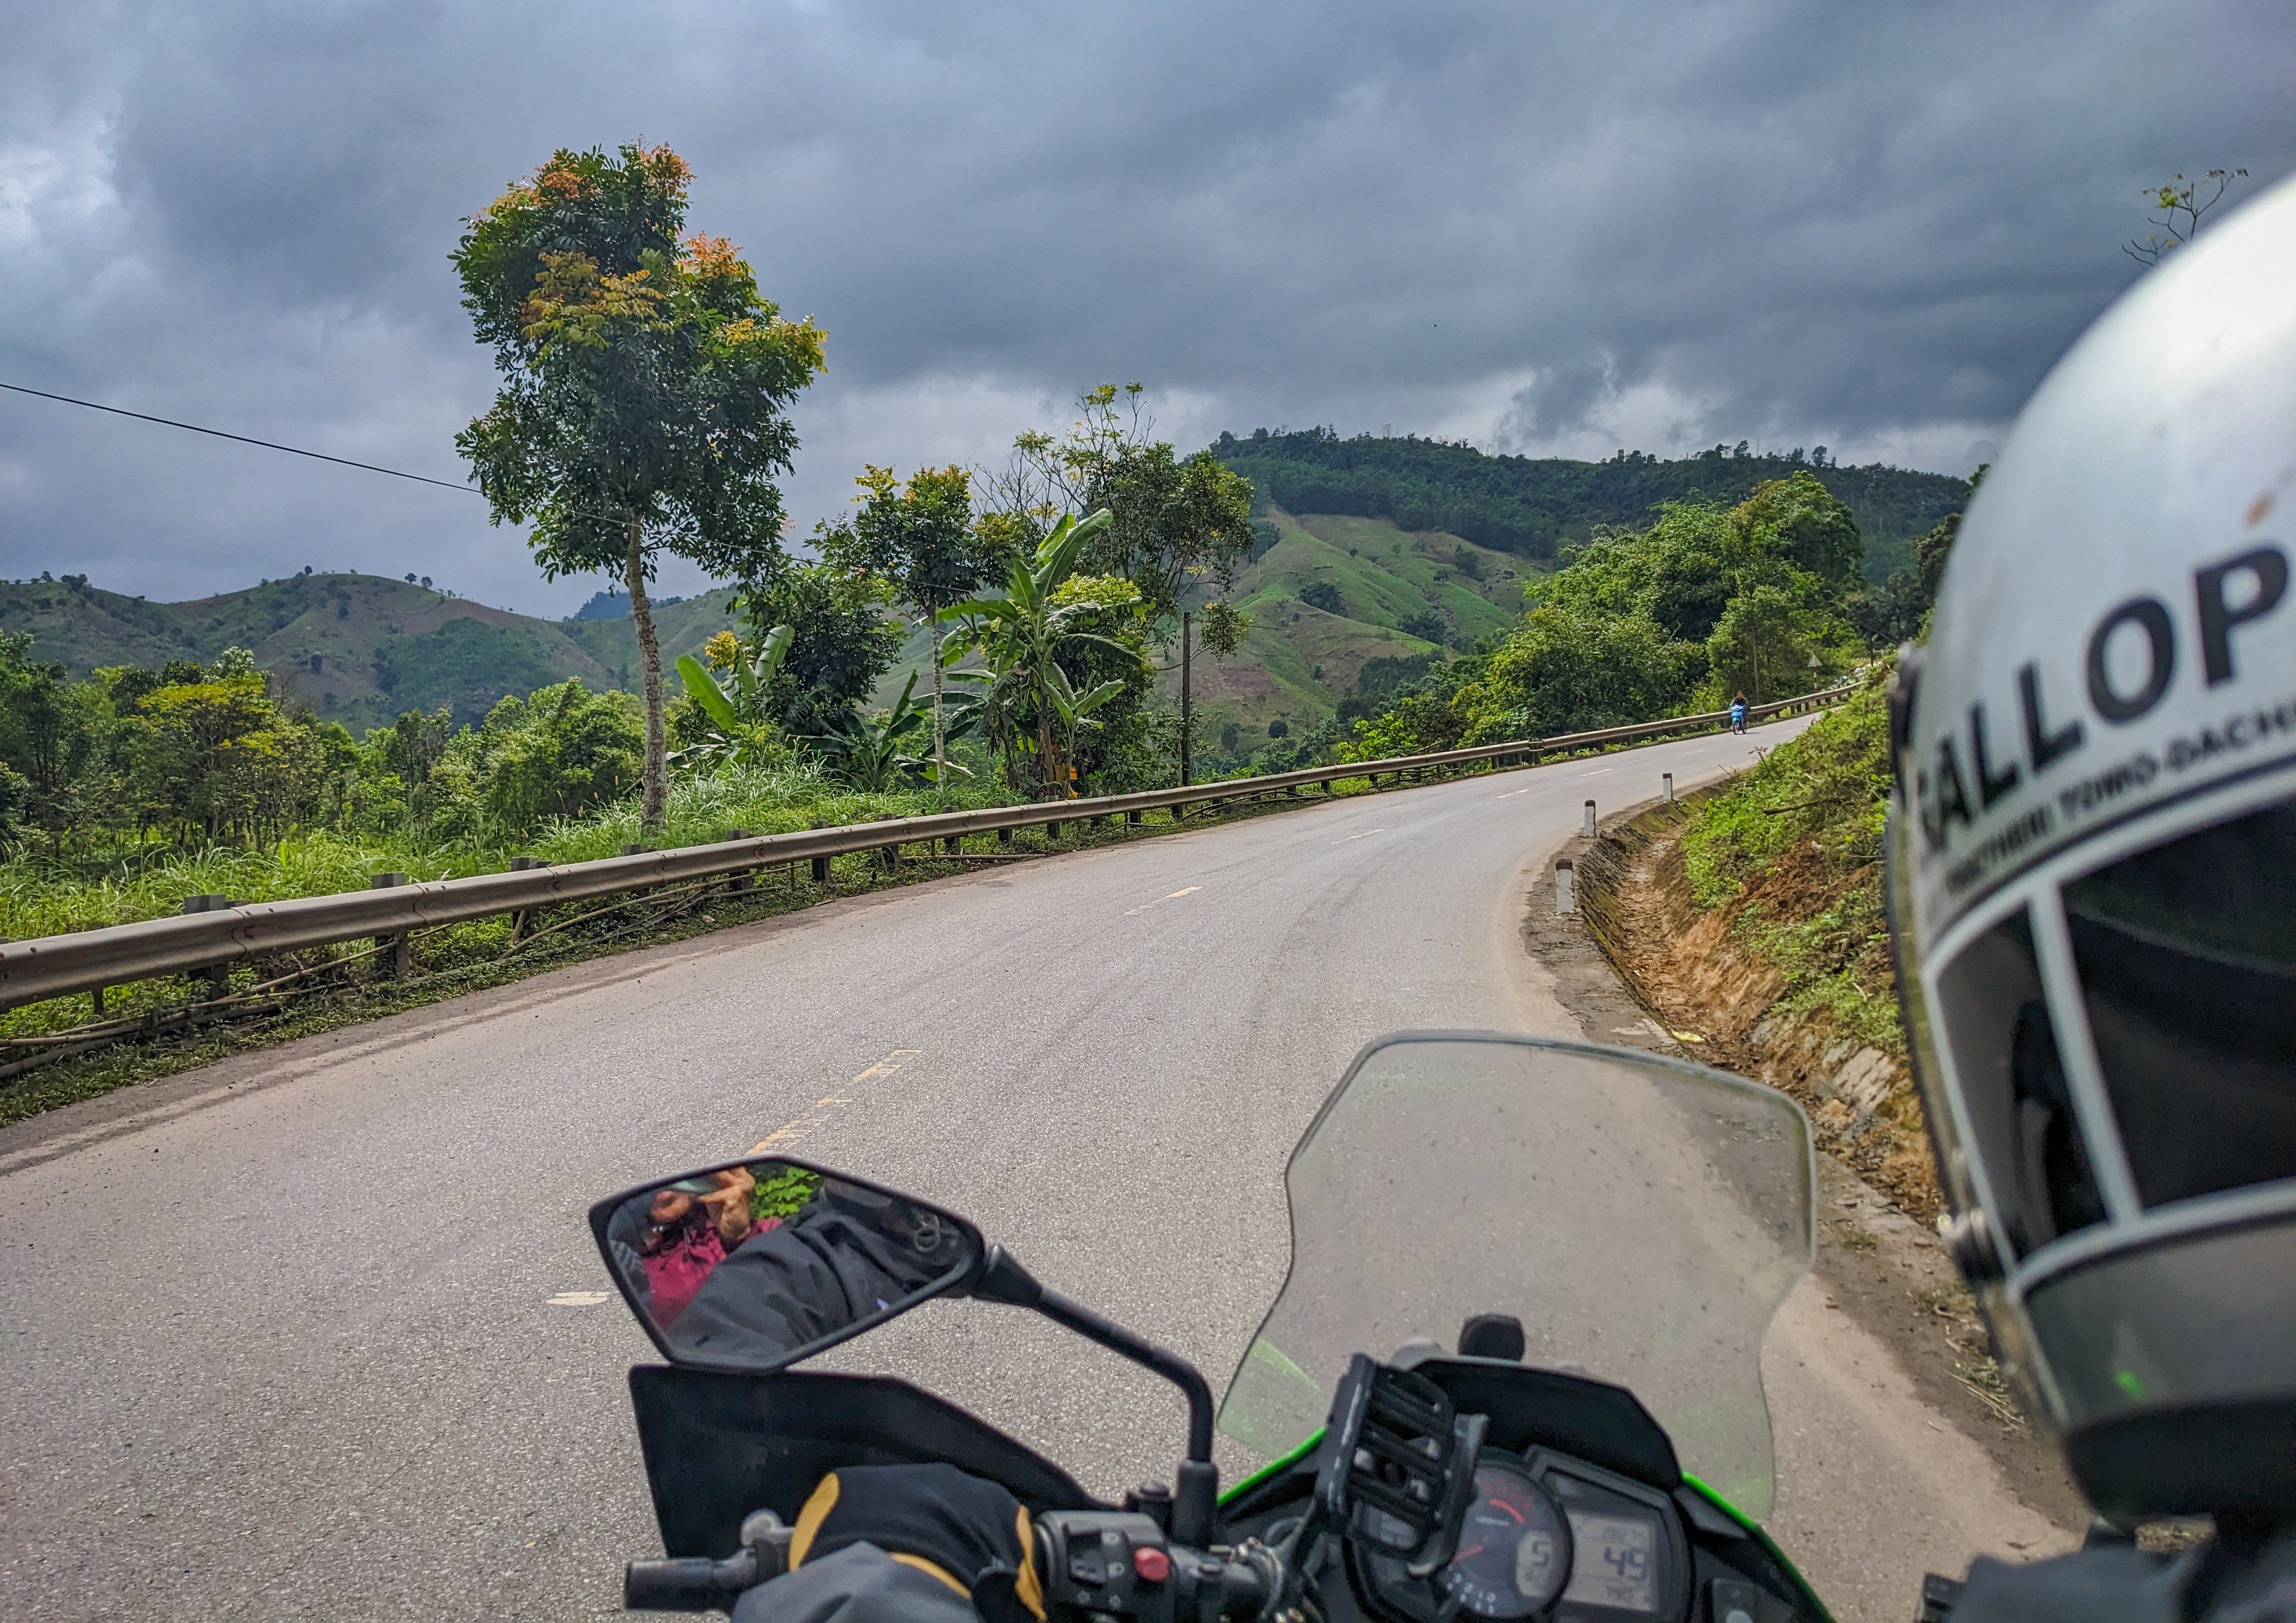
(1151, 1564)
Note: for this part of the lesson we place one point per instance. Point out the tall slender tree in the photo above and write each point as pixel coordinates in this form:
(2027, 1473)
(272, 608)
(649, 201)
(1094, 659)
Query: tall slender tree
(1176, 522)
(645, 387)
(920, 541)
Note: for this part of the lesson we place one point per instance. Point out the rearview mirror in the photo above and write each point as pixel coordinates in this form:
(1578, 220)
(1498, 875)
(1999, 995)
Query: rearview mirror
(755, 1265)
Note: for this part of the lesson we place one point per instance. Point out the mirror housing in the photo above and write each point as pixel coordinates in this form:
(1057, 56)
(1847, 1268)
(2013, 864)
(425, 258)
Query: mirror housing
(754, 1264)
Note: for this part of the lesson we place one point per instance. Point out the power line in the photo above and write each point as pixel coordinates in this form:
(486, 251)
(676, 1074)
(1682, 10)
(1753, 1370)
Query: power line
(420, 478)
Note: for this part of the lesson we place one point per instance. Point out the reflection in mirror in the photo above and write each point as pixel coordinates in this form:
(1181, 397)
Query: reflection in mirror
(757, 1265)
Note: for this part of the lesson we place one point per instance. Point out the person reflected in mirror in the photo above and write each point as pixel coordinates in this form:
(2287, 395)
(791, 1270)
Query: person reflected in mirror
(846, 1256)
(670, 1242)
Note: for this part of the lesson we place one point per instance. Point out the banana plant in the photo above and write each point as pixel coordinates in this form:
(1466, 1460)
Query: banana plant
(1025, 700)
(872, 753)
(739, 733)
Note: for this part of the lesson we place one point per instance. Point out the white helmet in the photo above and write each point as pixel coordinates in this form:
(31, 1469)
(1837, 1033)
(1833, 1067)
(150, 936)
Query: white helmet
(2092, 887)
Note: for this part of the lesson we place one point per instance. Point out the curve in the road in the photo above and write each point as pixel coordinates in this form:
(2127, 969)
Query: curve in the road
(314, 1332)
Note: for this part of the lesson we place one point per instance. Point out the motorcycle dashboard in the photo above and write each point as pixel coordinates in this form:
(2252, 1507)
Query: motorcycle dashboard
(1551, 1539)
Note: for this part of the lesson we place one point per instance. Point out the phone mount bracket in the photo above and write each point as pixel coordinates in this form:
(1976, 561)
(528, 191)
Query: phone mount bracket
(1397, 1466)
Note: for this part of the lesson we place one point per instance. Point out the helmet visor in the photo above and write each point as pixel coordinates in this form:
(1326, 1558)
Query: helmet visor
(2186, 959)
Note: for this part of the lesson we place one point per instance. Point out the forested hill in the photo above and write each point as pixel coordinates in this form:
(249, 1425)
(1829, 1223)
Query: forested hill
(1533, 506)
(358, 649)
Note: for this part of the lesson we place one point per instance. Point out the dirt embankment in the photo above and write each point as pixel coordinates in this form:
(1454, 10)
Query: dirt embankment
(1699, 972)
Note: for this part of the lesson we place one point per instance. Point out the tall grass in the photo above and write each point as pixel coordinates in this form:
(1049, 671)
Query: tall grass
(39, 897)
(1793, 847)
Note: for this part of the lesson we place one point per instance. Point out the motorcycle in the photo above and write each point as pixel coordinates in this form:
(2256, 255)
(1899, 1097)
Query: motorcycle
(1569, 1256)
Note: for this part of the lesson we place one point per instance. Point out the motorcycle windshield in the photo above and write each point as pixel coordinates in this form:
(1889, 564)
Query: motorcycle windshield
(1643, 1217)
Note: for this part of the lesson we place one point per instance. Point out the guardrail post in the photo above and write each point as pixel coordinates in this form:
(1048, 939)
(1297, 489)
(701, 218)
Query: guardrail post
(1132, 818)
(218, 975)
(952, 844)
(1667, 778)
(522, 919)
(740, 879)
(820, 864)
(394, 954)
(1052, 832)
(1589, 831)
(1563, 902)
(1003, 836)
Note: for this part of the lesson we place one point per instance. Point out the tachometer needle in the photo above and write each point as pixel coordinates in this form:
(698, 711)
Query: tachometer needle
(1473, 1549)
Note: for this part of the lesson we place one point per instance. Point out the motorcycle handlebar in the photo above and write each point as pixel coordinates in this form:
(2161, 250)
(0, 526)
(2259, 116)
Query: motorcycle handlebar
(691, 1584)
(698, 1584)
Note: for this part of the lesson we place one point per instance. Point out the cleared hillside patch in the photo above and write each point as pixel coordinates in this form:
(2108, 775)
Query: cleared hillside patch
(1373, 592)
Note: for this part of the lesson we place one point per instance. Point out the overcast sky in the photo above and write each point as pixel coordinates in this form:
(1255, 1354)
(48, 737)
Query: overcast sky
(1555, 229)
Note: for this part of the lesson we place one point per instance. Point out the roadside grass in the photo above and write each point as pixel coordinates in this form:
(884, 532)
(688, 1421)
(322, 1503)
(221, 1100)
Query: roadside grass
(1794, 846)
(39, 897)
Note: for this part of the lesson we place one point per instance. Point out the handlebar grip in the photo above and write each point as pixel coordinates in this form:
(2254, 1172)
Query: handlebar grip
(1245, 1583)
(693, 1582)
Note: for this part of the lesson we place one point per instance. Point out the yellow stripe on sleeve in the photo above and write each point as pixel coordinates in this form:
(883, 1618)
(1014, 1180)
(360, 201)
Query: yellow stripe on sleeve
(810, 1520)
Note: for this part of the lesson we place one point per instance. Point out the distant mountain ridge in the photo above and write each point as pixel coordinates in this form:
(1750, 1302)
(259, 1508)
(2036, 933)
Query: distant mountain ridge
(357, 649)
(1534, 506)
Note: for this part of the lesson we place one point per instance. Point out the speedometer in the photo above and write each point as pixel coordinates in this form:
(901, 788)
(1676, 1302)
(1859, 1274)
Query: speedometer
(1514, 1549)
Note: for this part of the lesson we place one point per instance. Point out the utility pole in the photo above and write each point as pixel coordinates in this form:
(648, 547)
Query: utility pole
(1186, 712)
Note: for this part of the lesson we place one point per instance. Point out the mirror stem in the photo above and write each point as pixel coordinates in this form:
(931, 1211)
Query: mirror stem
(1003, 1280)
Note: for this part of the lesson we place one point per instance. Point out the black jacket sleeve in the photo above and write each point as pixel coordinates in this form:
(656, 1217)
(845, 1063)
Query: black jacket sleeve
(791, 1286)
(860, 1583)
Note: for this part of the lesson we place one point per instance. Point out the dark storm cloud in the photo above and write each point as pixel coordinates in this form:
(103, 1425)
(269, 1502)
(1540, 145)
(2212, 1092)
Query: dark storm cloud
(1537, 227)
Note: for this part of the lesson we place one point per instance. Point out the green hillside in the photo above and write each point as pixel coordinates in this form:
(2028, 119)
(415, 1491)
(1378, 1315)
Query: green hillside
(682, 627)
(357, 649)
(1534, 506)
(1336, 590)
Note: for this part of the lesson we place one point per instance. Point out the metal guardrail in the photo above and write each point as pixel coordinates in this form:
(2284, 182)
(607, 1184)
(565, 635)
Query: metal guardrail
(87, 960)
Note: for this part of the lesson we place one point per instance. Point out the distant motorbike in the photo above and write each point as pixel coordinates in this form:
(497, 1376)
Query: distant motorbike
(1602, 1237)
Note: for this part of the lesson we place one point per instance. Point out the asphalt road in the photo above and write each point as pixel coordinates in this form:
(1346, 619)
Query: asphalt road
(279, 1338)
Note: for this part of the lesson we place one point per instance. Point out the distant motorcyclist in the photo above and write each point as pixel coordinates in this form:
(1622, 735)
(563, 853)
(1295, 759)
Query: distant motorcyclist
(2092, 881)
(1737, 712)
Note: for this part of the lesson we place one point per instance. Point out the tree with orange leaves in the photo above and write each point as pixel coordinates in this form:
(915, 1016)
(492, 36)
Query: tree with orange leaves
(645, 387)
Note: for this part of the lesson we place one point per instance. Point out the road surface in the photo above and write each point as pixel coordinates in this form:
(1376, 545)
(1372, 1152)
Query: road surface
(318, 1332)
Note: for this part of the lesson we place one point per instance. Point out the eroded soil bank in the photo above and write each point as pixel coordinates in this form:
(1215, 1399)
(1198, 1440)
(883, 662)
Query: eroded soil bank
(1640, 963)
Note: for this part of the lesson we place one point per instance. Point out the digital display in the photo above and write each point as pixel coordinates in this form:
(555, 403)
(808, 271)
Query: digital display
(1534, 1565)
(1615, 1563)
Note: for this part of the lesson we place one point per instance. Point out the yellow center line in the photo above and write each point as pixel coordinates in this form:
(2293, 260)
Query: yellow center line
(1145, 906)
(795, 1132)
